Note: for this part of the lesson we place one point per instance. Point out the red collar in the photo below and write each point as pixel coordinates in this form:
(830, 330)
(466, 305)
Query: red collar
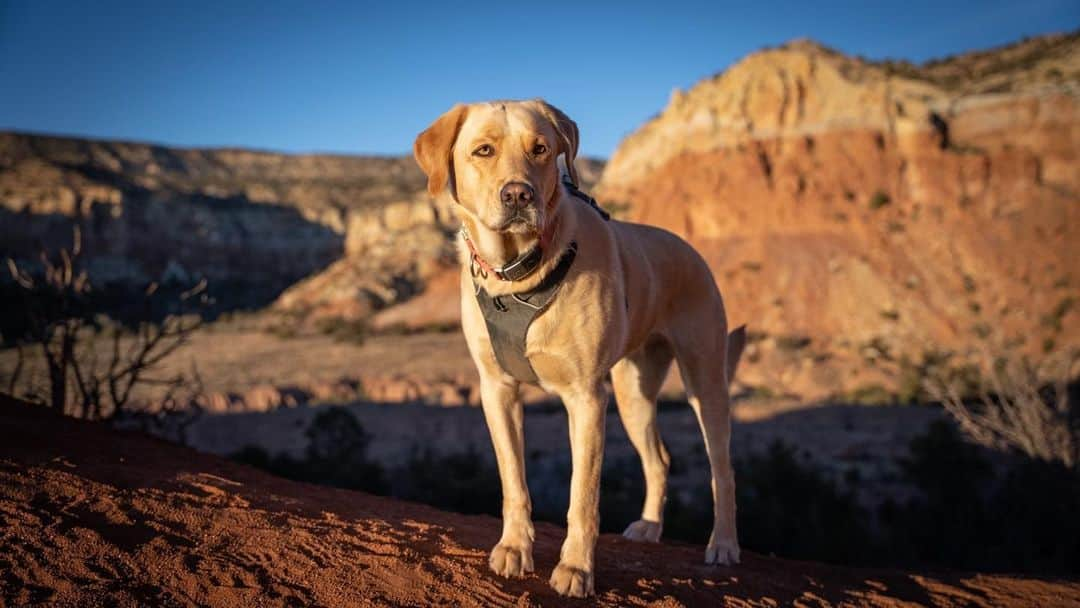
(516, 269)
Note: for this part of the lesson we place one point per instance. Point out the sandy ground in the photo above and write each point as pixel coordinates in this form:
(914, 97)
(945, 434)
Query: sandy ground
(94, 516)
(236, 357)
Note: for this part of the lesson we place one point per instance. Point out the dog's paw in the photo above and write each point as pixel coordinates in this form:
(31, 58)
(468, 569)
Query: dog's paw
(722, 553)
(506, 560)
(571, 582)
(644, 530)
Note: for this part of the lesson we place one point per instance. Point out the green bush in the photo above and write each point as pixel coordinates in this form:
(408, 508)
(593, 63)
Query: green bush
(971, 513)
(933, 366)
(465, 482)
(879, 199)
(344, 330)
(871, 394)
(793, 342)
(791, 509)
(1052, 320)
(336, 455)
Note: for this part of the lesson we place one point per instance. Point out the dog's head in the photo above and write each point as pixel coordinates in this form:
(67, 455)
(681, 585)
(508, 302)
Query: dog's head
(499, 160)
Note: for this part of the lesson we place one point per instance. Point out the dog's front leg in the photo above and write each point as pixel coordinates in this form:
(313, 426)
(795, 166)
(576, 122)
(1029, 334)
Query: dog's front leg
(503, 411)
(586, 410)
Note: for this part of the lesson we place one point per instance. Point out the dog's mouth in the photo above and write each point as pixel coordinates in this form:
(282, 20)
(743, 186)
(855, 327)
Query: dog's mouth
(518, 223)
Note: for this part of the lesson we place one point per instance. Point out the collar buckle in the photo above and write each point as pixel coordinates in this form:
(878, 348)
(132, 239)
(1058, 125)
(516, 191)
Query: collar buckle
(522, 267)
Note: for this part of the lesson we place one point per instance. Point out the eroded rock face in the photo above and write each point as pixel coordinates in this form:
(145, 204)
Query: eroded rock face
(391, 252)
(855, 204)
(150, 213)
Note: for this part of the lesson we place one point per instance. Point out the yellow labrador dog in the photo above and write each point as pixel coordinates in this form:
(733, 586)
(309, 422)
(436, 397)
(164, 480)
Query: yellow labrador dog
(613, 297)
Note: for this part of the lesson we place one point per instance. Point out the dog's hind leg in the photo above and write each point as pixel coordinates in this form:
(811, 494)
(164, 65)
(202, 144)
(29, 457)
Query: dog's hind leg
(705, 363)
(637, 379)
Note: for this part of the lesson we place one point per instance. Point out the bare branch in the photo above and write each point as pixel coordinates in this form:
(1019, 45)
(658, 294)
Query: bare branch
(80, 382)
(24, 280)
(16, 373)
(1015, 410)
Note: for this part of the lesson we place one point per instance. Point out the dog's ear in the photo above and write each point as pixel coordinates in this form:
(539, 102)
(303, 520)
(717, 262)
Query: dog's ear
(568, 136)
(433, 148)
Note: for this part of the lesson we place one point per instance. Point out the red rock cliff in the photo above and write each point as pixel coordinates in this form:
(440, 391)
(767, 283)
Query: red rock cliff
(857, 203)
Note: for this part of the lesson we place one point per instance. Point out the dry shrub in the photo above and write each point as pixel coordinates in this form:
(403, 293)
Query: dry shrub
(92, 365)
(1021, 406)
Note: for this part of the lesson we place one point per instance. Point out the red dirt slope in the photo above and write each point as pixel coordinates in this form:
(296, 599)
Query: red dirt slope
(92, 516)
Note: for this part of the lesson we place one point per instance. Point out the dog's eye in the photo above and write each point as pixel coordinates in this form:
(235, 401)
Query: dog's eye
(484, 150)
(539, 149)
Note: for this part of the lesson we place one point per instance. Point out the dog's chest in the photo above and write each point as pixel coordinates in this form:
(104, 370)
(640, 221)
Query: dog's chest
(509, 317)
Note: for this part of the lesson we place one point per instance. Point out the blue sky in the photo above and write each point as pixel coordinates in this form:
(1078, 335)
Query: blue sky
(362, 77)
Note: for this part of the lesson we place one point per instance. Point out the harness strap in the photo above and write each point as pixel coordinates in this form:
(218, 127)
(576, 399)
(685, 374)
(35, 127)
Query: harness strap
(573, 190)
(508, 318)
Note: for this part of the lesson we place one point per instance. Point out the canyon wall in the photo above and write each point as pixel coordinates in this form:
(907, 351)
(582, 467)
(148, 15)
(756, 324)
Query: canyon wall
(151, 213)
(871, 211)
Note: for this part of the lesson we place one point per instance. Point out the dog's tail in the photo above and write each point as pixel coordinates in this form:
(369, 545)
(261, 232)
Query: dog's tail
(736, 342)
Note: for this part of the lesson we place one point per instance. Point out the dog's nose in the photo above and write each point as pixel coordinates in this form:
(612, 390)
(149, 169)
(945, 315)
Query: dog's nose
(517, 194)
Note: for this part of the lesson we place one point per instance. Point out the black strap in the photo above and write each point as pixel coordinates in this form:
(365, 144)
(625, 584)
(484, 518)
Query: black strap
(508, 318)
(572, 189)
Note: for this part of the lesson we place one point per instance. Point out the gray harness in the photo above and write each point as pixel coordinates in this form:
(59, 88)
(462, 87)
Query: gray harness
(508, 317)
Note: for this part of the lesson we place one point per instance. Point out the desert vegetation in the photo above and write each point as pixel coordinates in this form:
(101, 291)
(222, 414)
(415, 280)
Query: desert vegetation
(1022, 407)
(91, 363)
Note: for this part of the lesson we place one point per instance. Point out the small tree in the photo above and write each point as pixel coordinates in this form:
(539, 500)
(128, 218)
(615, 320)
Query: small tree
(61, 325)
(1016, 409)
